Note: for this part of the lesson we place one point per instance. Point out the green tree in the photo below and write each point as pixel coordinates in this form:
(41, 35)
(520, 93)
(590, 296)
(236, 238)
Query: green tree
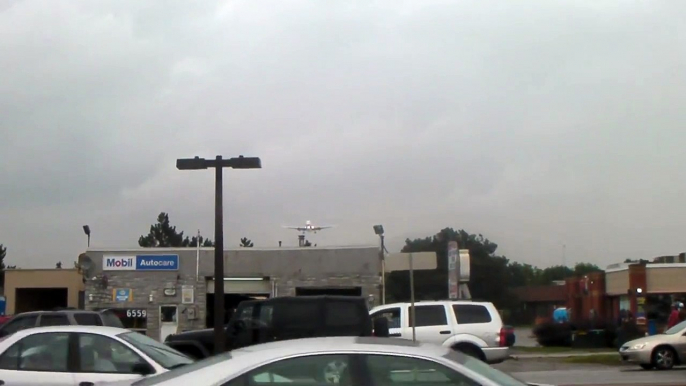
(489, 275)
(3, 267)
(247, 243)
(164, 235)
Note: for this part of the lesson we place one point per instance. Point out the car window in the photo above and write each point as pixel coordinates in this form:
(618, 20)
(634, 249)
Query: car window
(102, 354)
(87, 319)
(110, 319)
(480, 367)
(398, 370)
(471, 314)
(676, 329)
(392, 314)
(18, 323)
(164, 355)
(297, 314)
(342, 314)
(429, 316)
(309, 370)
(37, 352)
(53, 320)
(182, 371)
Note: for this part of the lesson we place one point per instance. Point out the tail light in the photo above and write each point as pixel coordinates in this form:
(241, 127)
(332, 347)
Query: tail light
(504, 338)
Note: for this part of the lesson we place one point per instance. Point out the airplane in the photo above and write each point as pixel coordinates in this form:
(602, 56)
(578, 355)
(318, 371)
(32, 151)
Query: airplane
(309, 227)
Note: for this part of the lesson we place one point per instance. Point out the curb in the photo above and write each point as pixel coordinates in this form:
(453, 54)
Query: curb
(561, 355)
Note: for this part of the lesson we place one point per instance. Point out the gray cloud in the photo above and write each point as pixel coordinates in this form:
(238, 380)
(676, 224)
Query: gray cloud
(537, 124)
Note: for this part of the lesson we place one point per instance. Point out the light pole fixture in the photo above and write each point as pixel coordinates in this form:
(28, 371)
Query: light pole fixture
(378, 230)
(87, 231)
(218, 164)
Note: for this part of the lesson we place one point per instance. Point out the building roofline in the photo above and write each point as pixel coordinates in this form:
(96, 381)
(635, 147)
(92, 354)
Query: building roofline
(38, 269)
(154, 250)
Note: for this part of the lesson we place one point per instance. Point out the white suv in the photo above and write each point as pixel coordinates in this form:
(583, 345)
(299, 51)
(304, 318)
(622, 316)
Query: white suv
(475, 328)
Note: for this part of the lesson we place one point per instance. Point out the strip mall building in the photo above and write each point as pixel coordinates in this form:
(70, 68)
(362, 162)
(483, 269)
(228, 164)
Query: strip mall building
(164, 291)
(646, 289)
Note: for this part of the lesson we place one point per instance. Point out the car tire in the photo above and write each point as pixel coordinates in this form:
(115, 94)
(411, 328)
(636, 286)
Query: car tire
(645, 366)
(470, 350)
(663, 357)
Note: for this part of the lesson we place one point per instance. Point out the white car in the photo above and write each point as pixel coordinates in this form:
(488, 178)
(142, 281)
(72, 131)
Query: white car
(475, 328)
(82, 355)
(336, 361)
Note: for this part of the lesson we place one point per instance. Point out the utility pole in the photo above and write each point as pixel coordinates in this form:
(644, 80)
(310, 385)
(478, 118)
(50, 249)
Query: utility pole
(218, 163)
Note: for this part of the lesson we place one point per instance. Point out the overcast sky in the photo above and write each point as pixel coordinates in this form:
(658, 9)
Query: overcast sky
(534, 123)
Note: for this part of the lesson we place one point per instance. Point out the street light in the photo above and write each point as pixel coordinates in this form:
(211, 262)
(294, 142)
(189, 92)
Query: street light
(378, 230)
(218, 164)
(87, 231)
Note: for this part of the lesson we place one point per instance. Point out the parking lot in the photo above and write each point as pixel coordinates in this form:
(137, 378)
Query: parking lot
(556, 372)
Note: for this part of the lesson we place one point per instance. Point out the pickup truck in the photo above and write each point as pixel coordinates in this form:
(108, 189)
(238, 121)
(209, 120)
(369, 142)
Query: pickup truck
(474, 328)
(283, 318)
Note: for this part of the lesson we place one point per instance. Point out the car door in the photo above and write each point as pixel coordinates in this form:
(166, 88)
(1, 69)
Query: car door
(394, 317)
(401, 370)
(432, 324)
(18, 323)
(37, 359)
(476, 319)
(317, 369)
(101, 358)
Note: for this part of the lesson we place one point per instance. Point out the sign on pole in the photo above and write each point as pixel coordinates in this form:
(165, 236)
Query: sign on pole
(453, 270)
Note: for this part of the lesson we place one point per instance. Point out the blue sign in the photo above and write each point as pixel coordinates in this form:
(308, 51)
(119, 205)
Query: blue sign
(122, 294)
(157, 262)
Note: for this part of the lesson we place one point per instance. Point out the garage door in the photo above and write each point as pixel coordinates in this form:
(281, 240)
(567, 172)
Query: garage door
(243, 287)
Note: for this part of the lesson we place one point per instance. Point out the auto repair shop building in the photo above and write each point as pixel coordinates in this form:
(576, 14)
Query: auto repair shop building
(161, 291)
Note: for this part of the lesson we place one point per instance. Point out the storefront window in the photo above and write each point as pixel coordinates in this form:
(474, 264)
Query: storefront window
(658, 307)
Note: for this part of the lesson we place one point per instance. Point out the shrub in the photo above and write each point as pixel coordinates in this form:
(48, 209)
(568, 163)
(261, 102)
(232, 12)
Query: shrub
(553, 334)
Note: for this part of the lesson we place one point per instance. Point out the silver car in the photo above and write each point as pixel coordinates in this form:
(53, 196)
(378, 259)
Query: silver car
(661, 351)
(335, 361)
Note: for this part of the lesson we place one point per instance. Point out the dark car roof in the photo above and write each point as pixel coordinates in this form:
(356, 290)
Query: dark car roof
(60, 311)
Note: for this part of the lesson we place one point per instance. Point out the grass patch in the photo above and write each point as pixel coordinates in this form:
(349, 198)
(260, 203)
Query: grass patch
(597, 359)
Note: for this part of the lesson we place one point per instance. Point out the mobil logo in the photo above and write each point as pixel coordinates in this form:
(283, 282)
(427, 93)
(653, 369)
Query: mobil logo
(118, 263)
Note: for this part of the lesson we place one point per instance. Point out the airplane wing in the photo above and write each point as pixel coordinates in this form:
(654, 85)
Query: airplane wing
(297, 228)
(318, 228)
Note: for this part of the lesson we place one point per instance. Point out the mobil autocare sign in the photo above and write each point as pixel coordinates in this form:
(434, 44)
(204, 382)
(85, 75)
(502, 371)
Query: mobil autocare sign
(140, 263)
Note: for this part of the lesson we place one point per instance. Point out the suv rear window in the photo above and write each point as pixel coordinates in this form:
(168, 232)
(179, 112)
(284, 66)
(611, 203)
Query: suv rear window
(471, 314)
(110, 319)
(87, 319)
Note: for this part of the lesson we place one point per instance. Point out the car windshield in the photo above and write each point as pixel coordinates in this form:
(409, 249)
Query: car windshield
(166, 356)
(486, 371)
(181, 371)
(676, 329)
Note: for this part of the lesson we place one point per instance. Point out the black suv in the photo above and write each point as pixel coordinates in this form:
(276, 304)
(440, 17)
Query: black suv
(283, 318)
(62, 317)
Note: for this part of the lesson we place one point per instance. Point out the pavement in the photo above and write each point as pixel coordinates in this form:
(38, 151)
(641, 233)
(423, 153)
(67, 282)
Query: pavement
(613, 376)
(549, 370)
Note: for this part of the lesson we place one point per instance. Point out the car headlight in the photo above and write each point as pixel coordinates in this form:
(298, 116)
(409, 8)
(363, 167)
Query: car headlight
(638, 346)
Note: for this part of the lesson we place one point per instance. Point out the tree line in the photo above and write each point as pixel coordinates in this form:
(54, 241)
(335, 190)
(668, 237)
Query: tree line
(492, 276)
(163, 235)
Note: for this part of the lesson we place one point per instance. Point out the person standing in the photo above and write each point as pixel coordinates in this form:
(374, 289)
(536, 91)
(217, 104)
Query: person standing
(674, 316)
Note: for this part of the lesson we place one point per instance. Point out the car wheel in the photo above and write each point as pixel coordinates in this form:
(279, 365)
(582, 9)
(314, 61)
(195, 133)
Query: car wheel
(646, 366)
(470, 350)
(663, 358)
(333, 370)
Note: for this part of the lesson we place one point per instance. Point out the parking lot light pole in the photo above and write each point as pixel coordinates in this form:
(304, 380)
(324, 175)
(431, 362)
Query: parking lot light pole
(218, 163)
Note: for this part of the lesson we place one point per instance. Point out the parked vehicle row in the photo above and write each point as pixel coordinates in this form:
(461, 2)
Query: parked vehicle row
(82, 355)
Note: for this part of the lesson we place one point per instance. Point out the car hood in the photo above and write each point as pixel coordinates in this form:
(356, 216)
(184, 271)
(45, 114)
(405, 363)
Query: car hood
(649, 339)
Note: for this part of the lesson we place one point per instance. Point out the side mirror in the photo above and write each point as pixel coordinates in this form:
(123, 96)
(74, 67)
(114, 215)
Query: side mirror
(143, 369)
